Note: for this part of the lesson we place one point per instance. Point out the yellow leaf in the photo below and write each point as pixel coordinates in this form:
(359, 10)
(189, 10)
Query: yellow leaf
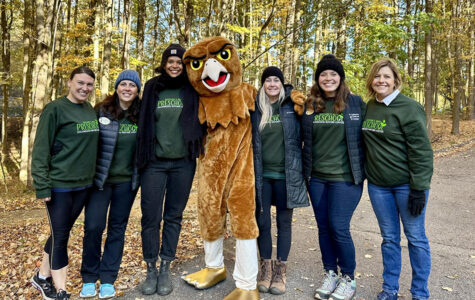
(447, 288)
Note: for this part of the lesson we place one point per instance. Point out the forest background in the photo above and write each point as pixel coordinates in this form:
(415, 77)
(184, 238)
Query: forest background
(42, 41)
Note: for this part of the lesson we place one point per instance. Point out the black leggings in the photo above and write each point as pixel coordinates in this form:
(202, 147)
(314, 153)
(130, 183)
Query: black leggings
(63, 210)
(274, 192)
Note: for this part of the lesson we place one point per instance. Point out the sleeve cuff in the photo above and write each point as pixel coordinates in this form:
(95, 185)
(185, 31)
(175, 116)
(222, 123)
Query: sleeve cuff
(43, 193)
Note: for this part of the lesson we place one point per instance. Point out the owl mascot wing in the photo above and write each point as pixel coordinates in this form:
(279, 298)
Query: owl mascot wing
(226, 171)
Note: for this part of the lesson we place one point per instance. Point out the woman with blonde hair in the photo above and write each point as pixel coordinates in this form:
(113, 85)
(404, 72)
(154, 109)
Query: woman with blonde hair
(399, 166)
(278, 170)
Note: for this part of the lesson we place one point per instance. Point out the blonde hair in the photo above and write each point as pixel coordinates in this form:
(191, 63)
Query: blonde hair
(265, 106)
(383, 62)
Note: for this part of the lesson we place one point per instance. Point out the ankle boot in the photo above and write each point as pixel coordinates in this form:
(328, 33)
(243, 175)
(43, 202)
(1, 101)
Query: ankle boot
(265, 275)
(164, 283)
(277, 286)
(149, 286)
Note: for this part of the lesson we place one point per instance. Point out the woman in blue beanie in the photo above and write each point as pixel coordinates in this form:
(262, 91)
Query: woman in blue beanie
(115, 186)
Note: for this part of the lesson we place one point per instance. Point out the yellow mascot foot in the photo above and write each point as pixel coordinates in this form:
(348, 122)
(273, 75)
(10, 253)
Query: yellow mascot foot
(206, 278)
(240, 294)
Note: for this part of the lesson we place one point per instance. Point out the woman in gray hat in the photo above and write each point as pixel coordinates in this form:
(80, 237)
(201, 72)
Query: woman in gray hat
(115, 186)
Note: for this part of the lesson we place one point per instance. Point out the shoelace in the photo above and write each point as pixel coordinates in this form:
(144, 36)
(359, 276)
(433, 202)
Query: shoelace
(327, 282)
(265, 272)
(278, 274)
(343, 286)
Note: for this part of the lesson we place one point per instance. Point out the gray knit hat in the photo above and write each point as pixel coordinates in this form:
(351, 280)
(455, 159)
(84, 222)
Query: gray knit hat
(128, 75)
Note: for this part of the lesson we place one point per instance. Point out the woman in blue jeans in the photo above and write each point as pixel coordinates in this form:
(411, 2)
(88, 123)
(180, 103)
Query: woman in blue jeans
(169, 141)
(333, 166)
(277, 152)
(115, 187)
(399, 166)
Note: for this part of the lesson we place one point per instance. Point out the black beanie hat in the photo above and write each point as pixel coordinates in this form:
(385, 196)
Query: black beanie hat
(272, 71)
(172, 50)
(329, 62)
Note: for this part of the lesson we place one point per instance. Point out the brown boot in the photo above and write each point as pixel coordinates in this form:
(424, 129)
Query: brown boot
(277, 286)
(265, 275)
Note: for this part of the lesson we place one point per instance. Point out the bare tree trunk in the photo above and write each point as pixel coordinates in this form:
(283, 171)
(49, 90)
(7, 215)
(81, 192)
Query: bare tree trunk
(28, 52)
(295, 49)
(155, 34)
(126, 37)
(6, 24)
(428, 73)
(183, 34)
(106, 53)
(458, 70)
(141, 14)
(289, 36)
(471, 77)
(96, 40)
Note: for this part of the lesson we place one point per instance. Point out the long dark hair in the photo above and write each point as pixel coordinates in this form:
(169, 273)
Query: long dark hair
(111, 105)
(316, 98)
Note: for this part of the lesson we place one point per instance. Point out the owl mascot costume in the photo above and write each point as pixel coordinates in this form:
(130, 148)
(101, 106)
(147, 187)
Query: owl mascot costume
(226, 170)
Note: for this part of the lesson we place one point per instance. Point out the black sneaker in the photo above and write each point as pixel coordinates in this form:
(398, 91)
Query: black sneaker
(61, 295)
(45, 286)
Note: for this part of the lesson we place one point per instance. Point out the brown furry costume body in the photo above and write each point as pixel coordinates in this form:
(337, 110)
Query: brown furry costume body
(225, 173)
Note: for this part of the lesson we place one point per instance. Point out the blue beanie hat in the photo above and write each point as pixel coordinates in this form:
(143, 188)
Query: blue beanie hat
(128, 75)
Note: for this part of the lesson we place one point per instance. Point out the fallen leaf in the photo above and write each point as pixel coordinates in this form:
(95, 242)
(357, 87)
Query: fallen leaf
(447, 288)
(452, 277)
(368, 256)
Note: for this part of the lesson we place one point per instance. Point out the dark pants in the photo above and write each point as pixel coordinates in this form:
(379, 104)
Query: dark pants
(63, 210)
(334, 203)
(173, 176)
(274, 192)
(120, 197)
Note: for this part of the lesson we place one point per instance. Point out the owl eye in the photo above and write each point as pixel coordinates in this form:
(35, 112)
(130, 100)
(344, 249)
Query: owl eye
(196, 64)
(225, 54)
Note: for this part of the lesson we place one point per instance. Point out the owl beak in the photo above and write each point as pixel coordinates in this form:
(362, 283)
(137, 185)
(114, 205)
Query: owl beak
(215, 77)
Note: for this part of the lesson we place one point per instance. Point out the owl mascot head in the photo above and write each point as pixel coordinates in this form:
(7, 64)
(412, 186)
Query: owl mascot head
(215, 72)
(226, 169)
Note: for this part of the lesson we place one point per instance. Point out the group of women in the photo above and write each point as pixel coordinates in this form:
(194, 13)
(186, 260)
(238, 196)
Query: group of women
(324, 148)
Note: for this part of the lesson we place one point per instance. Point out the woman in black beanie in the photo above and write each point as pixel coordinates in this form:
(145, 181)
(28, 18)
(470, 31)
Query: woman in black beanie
(168, 143)
(276, 141)
(333, 166)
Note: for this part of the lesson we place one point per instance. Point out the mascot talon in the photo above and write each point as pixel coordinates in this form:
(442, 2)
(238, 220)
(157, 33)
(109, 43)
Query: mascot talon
(299, 101)
(206, 278)
(240, 294)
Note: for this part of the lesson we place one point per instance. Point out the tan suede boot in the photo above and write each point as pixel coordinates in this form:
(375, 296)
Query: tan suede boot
(265, 275)
(277, 286)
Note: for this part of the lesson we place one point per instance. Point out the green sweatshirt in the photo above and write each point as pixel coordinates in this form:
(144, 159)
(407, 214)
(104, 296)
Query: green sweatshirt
(121, 168)
(329, 150)
(398, 150)
(65, 148)
(273, 153)
(168, 131)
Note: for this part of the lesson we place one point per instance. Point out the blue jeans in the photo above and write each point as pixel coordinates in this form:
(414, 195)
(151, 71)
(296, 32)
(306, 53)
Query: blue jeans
(390, 206)
(334, 203)
(173, 178)
(120, 197)
(274, 192)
